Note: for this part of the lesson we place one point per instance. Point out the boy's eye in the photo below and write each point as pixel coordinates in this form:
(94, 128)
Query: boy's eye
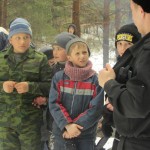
(24, 38)
(130, 44)
(18, 38)
(85, 52)
(77, 53)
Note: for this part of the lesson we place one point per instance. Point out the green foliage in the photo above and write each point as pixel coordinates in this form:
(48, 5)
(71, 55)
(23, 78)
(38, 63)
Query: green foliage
(49, 17)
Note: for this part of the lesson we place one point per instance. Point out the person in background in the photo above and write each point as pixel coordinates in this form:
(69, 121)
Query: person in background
(24, 75)
(127, 85)
(75, 100)
(3, 38)
(72, 29)
(60, 57)
(59, 50)
(41, 102)
(125, 37)
(48, 51)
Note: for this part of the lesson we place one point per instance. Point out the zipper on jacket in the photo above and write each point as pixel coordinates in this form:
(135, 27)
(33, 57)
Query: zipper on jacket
(73, 97)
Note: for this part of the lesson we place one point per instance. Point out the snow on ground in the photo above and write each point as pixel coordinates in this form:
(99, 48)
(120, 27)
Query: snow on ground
(97, 60)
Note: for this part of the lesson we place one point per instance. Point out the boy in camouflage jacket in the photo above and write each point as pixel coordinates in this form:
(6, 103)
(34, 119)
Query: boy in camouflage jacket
(24, 75)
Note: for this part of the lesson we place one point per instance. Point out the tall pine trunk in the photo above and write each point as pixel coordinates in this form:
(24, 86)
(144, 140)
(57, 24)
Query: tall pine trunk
(3, 13)
(76, 16)
(117, 17)
(106, 22)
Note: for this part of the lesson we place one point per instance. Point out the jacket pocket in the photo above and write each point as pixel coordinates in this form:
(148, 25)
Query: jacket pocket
(30, 74)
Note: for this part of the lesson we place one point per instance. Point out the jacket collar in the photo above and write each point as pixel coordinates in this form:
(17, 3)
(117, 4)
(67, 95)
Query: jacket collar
(29, 54)
(141, 44)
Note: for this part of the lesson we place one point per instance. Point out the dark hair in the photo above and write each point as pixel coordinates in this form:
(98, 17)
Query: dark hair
(48, 51)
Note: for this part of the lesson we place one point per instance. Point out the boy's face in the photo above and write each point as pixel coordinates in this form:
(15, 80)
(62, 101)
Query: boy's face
(59, 54)
(71, 30)
(79, 56)
(122, 46)
(20, 42)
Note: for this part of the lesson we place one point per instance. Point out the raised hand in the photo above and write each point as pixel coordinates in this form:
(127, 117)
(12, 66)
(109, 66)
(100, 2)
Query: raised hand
(106, 74)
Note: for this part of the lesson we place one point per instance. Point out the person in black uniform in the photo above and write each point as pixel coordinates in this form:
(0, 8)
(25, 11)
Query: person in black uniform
(128, 85)
(125, 37)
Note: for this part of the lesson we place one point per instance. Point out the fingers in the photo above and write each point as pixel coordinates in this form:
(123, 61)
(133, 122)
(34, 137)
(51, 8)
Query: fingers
(66, 135)
(22, 87)
(79, 127)
(8, 86)
(110, 107)
(108, 67)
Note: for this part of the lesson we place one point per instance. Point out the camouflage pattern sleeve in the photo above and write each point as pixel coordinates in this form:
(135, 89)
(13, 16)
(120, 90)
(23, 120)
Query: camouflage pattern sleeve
(42, 87)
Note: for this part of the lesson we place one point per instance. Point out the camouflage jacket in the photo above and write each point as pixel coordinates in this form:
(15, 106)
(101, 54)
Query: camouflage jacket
(32, 68)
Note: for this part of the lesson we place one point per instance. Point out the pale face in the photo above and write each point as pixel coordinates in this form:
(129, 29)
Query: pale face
(59, 54)
(20, 42)
(137, 16)
(79, 56)
(71, 30)
(122, 46)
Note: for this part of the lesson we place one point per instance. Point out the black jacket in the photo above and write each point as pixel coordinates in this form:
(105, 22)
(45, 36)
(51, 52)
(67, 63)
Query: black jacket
(131, 99)
(57, 67)
(3, 40)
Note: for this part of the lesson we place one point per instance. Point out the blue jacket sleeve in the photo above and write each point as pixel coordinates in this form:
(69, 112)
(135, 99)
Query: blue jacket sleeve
(59, 113)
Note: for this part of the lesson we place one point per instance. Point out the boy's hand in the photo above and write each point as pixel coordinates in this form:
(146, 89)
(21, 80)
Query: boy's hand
(8, 86)
(66, 135)
(73, 129)
(22, 87)
(38, 101)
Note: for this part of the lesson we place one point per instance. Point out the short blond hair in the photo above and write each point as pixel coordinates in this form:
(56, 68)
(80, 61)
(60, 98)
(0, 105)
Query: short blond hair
(78, 44)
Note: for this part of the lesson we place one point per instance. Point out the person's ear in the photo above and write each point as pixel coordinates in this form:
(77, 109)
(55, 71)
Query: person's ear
(141, 11)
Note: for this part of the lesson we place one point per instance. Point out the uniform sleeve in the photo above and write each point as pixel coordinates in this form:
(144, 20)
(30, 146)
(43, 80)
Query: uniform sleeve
(59, 113)
(132, 99)
(42, 86)
(90, 116)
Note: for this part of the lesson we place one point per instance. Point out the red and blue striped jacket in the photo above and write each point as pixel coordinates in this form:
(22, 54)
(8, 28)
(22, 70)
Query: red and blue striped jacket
(80, 102)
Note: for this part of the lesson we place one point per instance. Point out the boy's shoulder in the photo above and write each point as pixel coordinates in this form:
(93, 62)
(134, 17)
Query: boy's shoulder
(39, 53)
(60, 73)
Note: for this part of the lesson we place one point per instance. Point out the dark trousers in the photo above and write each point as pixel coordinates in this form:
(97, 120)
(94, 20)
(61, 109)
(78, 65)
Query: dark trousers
(134, 144)
(116, 141)
(74, 144)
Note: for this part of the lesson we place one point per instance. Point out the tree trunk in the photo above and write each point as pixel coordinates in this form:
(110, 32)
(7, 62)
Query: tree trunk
(3, 13)
(75, 15)
(0, 12)
(106, 22)
(117, 17)
(117, 14)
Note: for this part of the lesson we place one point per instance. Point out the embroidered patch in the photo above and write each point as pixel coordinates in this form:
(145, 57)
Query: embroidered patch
(124, 37)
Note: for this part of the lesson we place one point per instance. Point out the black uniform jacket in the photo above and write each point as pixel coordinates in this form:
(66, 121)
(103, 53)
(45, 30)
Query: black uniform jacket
(131, 97)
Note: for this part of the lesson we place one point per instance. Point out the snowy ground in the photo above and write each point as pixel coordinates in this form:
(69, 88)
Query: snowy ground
(97, 60)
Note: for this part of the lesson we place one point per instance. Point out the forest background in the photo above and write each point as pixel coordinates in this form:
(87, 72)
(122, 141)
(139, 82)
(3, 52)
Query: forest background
(97, 20)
